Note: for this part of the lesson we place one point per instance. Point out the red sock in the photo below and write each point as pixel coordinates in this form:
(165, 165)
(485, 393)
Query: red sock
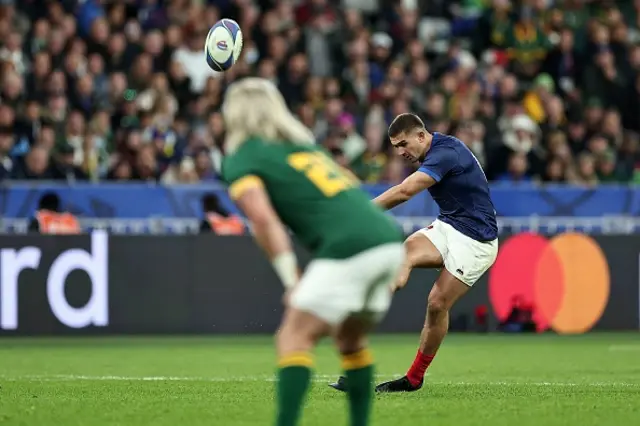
(418, 368)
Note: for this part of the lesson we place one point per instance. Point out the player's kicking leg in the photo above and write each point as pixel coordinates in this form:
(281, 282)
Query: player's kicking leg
(465, 261)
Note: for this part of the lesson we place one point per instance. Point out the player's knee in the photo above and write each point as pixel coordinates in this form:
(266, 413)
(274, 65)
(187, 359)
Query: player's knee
(351, 336)
(351, 344)
(298, 333)
(436, 305)
(421, 252)
(412, 247)
(289, 339)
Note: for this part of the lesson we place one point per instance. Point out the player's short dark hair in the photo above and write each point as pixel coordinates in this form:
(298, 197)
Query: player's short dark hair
(49, 201)
(405, 123)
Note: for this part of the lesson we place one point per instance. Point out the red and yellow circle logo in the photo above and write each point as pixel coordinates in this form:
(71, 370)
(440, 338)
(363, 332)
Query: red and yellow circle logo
(565, 279)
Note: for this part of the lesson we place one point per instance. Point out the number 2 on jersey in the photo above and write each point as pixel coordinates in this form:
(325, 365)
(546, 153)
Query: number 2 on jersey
(322, 172)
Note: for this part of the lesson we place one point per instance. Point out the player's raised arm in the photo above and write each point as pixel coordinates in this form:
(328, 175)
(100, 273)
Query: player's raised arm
(271, 235)
(402, 192)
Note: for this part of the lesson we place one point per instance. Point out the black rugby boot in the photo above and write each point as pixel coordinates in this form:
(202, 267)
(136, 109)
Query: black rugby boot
(398, 385)
(340, 385)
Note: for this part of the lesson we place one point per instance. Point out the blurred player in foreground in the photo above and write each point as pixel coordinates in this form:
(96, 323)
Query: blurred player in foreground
(279, 178)
(462, 240)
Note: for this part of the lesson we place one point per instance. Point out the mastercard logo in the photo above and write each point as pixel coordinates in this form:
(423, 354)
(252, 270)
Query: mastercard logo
(565, 279)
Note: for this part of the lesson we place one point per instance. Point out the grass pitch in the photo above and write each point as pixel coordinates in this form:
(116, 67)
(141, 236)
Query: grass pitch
(475, 380)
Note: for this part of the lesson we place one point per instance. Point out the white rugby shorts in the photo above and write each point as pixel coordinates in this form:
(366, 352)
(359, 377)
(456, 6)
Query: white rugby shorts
(336, 289)
(465, 258)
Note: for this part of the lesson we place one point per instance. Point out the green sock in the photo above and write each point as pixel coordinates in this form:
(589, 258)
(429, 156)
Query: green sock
(293, 382)
(360, 391)
(359, 372)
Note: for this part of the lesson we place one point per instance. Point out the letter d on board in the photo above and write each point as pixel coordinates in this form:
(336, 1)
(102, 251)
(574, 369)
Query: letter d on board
(96, 264)
(12, 262)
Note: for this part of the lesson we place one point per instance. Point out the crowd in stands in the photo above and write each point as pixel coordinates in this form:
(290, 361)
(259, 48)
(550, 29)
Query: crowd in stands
(540, 90)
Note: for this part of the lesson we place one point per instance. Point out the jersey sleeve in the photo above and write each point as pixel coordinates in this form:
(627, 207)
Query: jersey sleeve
(239, 173)
(439, 162)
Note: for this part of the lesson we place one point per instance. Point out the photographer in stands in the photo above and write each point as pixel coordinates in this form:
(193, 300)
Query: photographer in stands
(49, 220)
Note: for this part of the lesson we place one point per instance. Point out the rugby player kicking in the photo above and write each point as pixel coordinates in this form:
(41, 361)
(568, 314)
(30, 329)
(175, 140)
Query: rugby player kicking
(462, 240)
(280, 178)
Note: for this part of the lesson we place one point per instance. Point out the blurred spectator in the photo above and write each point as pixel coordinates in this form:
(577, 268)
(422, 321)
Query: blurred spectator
(517, 169)
(539, 97)
(606, 168)
(526, 43)
(6, 145)
(370, 164)
(564, 64)
(146, 165)
(520, 136)
(189, 56)
(34, 165)
(64, 166)
(540, 91)
(586, 173)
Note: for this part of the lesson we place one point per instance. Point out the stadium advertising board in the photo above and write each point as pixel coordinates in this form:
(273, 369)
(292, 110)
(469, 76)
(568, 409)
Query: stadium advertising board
(95, 284)
(566, 279)
(33, 263)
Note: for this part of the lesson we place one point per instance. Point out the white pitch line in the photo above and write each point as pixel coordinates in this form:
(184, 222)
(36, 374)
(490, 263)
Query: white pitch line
(624, 348)
(74, 377)
(324, 378)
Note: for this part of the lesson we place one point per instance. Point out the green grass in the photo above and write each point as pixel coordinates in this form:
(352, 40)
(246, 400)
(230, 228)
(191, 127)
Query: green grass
(475, 380)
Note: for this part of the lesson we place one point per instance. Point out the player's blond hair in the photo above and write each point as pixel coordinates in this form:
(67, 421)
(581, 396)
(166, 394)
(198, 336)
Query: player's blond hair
(254, 107)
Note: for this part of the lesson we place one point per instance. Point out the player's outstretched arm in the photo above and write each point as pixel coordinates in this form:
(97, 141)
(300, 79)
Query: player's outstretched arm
(402, 192)
(268, 230)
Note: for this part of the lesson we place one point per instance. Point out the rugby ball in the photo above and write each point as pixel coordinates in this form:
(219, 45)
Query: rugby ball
(223, 45)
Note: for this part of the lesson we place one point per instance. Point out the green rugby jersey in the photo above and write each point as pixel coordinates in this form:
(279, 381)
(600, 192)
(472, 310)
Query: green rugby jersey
(319, 201)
